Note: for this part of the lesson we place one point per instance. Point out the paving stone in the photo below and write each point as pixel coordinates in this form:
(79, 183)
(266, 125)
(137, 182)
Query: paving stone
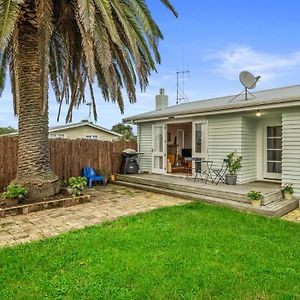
(106, 204)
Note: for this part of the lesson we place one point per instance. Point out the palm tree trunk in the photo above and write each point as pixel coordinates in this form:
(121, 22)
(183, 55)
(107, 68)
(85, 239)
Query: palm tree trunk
(34, 169)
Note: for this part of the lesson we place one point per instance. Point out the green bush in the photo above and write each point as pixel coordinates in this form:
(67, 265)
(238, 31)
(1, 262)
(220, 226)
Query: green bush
(254, 195)
(234, 162)
(288, 188)
(77, 185)
(15, 191)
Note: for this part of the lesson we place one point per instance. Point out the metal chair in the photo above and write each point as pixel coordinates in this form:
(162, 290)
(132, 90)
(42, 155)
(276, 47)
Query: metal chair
(220, 173)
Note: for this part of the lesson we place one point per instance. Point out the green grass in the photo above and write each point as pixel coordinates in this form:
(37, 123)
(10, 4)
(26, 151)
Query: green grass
(194, 251)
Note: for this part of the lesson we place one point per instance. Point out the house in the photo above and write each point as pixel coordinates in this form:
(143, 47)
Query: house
(82, 130)
(264, 129)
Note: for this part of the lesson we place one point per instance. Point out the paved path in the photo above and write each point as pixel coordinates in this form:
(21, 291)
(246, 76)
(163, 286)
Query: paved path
(293, 216)
(107, 203)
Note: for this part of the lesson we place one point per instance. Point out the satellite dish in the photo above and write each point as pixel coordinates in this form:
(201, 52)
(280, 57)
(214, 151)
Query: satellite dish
(248, 80)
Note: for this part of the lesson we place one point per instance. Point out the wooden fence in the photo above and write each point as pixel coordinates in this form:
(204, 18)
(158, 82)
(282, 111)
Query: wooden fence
(68, 157)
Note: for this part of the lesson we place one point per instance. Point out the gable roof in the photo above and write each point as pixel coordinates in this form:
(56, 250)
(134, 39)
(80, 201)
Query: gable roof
(283, 96)
(75, 125)
(80, 124)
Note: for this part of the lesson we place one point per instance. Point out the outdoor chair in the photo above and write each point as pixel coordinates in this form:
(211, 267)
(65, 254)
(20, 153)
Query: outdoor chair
(91, 176)
(220, 173)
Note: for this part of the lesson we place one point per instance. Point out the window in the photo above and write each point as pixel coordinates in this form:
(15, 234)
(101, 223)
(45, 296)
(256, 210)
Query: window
(56, 135)
(198, 138)
(92, 137)
(199, 133)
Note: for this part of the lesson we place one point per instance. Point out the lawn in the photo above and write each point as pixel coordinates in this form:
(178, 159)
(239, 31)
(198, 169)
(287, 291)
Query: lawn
(195, 251)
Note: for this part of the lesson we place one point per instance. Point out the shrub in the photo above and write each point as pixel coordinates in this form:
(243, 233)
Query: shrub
(234, 162)
(15, 191)
(254, 195)
(104, 172)
(288, 188)
(77, 185)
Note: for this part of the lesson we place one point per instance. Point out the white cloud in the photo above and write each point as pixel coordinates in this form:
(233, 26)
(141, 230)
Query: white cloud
(232, 60)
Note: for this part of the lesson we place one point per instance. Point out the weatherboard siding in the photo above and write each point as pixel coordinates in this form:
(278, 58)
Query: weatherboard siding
(291, 149)
(224, 136)
(249, 151)
(145, 145)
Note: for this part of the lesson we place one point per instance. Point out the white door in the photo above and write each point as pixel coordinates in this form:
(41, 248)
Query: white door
(273, 151)
(159, 148)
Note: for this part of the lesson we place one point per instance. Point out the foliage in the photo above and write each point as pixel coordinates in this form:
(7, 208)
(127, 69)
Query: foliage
(288, 188)
(79, 42)
(234, 162)
(254, 195)
(104, 172)
(125, 130)
(7, 130)
(77, 185)
(195, 251)
(15, 191)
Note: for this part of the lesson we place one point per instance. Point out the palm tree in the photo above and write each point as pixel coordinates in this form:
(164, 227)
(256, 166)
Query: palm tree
(74, 45)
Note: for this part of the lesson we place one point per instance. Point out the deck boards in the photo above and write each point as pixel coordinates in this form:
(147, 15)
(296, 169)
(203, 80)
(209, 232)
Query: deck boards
(233, 196)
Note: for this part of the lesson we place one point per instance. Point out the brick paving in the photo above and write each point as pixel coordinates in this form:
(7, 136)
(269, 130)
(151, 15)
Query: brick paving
(293, 216)
(108, 203)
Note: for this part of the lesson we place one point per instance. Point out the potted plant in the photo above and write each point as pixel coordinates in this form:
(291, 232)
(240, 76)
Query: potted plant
(288, 191)
(14, 194)
(76, 185)
(255, 198)
(233, 165)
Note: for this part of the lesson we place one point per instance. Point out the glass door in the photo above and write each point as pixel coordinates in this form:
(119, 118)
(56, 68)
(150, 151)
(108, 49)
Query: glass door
(273, 152)
(159, 149)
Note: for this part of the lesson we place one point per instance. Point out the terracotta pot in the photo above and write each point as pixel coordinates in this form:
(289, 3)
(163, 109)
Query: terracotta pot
(256, 203)
(230, 179)
(11, 201)
(288, 195)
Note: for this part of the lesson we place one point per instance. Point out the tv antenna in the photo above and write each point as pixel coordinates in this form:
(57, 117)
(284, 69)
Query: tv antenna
(249, 81)
(181, 97)
(90, 105)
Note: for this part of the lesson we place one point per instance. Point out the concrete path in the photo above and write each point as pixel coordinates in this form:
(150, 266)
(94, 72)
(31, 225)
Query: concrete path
(293, 216)
(107, 203)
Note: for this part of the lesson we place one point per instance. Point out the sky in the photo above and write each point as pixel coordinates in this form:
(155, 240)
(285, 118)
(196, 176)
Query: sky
(215, 40)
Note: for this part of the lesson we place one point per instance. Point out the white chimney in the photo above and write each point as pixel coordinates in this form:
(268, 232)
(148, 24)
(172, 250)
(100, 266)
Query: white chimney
(161, 100)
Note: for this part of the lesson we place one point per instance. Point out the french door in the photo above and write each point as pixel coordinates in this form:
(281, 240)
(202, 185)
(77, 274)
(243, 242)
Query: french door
(159, 148)
(273, 152)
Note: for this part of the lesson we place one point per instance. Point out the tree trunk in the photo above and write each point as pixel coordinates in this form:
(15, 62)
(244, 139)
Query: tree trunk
(34, 171)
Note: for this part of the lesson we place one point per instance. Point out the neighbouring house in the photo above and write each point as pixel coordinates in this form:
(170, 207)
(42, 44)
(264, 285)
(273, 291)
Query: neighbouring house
(265, 130)
(82, 130)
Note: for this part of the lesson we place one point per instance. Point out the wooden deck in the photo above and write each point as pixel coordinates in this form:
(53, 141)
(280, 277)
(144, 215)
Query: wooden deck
(222, 194)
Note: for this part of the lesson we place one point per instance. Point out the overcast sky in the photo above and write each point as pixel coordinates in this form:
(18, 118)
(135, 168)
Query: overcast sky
(214, 40)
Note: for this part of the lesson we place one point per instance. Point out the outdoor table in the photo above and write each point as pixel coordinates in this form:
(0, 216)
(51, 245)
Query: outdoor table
(203, 169)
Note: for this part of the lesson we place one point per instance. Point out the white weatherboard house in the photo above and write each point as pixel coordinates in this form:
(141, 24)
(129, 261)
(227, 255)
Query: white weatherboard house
(265, 130)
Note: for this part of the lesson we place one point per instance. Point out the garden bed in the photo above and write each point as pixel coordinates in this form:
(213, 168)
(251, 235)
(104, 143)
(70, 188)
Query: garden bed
(61, 200)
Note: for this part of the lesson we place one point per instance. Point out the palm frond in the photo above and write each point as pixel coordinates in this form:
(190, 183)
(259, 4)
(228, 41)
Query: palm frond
(9, 10)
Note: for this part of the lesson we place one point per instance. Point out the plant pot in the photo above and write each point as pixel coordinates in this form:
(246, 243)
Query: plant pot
(230, 179)
(288, 195)
(10, 201)
(112, 178)
(256, 203)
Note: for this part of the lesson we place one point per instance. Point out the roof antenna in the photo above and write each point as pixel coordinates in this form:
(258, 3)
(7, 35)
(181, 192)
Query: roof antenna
(90, 105)
(249, 81)
(181, 96)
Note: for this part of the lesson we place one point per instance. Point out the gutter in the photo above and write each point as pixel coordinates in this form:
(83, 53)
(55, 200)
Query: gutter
(228, 108)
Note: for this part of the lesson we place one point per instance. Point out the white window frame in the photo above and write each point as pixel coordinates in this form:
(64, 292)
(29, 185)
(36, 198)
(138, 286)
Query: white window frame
(92, 137)
(204, 137)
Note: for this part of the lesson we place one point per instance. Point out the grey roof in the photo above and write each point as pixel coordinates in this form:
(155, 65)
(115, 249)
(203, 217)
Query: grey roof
(79, 124)
(265, 97)
(74, 125)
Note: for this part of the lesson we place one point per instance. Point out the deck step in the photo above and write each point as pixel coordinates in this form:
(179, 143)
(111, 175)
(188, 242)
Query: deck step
(201, 190)
(275, 209)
